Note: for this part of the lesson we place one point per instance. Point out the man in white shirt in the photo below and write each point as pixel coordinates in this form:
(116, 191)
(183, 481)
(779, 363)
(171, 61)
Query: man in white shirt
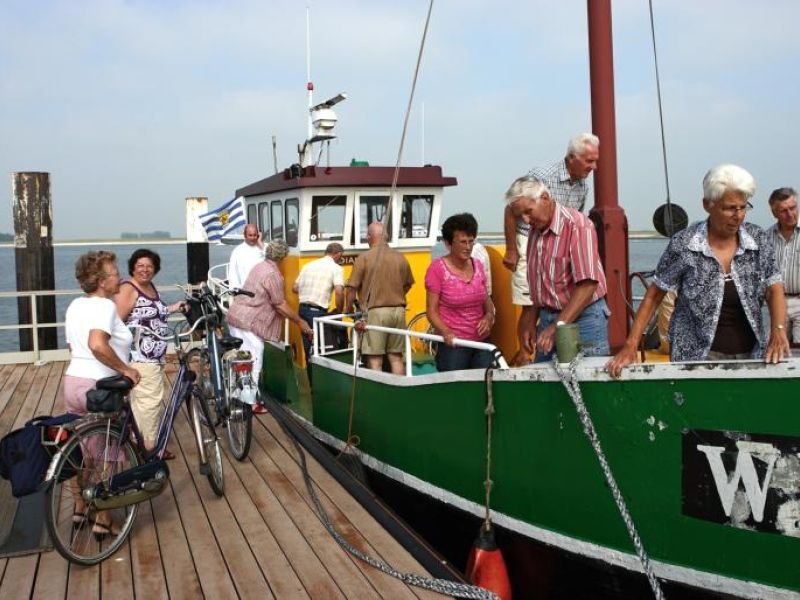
(245, 256)
(314, 285)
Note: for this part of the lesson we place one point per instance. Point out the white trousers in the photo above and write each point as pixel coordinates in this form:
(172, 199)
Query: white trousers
(252, 343)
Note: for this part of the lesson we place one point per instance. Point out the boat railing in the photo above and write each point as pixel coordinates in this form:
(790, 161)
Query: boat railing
(37, 354)
(320, 347)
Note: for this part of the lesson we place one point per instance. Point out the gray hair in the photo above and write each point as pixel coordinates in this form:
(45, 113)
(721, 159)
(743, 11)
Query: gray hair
(578, 144)
(276, 250)
(727, 178)
(333, 248)
(528, 186)
(782, 194)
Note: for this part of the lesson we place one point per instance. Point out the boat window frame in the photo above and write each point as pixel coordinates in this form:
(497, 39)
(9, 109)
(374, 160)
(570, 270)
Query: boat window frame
(357, 225)
(337, 196)
(263, 215)
(291, 202)
(405, 196)
(252, 214)
(272, 205)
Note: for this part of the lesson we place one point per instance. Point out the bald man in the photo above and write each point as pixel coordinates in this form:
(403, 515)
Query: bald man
(381, 278)
(245, 256)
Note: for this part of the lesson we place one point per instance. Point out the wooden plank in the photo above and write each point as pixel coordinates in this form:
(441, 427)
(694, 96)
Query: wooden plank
(51, 578)
(306, 564)
(277, 569)
(215, 580)
(19, 577)
(245, 573)
(12, 395)
(345, 510)
(178, 564)
(83, 583)
(33, 393)
(348, 576)
(116, 580)
(390, 551)
(148, 570)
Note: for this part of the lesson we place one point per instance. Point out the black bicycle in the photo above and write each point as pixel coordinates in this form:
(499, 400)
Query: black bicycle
(100, 474)
(225, 372)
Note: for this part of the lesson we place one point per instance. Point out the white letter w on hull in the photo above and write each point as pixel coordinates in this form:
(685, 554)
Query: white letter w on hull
(745, 472)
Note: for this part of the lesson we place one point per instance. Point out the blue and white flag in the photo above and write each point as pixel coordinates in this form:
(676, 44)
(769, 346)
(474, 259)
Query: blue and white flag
(225, 220)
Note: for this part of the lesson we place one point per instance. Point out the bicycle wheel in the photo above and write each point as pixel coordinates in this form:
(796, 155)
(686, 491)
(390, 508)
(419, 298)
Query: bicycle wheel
(420, 324)
(88, 460)
(198, 360)
(240, 420)
(212, 468)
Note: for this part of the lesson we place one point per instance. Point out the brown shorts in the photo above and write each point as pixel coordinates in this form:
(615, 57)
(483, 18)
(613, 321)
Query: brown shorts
(378, 342)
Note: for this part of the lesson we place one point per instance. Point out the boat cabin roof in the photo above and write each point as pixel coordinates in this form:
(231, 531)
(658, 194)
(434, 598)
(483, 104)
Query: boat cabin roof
(314, 176)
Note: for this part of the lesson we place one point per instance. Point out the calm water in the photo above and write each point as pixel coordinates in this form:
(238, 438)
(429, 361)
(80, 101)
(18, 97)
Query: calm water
(644, 255)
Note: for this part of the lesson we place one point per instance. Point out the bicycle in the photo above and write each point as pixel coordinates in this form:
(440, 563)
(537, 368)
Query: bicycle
(101, 471)
(225, 373)
(420, 324)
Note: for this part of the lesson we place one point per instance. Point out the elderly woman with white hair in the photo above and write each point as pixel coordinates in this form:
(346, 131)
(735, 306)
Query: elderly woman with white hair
(260, 318)
(722, 270)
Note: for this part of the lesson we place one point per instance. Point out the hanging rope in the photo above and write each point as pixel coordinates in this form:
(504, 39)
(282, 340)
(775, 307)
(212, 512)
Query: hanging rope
(569, 378)
(351, 438)
(488, 483)
(668, 216)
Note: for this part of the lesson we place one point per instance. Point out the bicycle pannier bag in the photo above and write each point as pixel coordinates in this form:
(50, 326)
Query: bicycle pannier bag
(23, 457)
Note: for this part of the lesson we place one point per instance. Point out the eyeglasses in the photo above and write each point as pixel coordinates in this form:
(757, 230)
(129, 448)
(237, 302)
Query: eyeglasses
(732, 210)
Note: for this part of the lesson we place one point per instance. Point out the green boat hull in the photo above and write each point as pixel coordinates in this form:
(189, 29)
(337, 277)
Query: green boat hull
(706, 457)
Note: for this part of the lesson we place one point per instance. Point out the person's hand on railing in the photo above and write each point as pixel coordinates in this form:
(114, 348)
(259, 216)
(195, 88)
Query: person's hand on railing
(306, 330)
(360, 325)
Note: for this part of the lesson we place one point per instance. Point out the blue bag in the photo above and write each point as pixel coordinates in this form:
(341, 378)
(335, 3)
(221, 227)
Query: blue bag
(23, 457)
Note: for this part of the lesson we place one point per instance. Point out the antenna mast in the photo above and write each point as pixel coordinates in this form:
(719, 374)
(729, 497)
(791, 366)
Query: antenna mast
(309, 84)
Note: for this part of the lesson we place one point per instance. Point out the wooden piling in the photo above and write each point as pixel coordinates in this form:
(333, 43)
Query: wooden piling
(197, 262)
(33, 250)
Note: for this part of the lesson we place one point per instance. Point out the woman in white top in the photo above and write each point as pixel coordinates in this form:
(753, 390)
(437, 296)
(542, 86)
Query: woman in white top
(99, 345)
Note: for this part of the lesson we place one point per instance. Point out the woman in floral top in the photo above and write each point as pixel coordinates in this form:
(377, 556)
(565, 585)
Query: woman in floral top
(722, 270)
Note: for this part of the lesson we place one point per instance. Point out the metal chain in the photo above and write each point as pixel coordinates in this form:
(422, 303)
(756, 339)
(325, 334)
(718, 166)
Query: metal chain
(569, 378)
(442, 586)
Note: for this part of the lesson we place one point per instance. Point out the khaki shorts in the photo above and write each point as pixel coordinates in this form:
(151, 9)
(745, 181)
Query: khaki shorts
(376, 343)
(520, 290)
(146, 399)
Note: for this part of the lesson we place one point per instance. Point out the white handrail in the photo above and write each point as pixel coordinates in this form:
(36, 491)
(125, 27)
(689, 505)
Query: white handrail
(336, 321)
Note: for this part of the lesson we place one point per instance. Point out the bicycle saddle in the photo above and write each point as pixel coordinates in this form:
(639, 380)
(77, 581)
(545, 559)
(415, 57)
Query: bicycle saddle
(115, 383)
(230, 343)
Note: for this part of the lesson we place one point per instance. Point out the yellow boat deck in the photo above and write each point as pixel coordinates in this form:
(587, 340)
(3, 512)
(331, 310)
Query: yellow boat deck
(262, 540)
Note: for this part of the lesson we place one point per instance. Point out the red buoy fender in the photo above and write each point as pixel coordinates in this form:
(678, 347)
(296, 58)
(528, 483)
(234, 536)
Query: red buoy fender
(486, 567)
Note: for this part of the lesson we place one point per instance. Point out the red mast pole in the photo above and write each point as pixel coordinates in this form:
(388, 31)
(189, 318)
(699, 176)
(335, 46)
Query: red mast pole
(608, 217)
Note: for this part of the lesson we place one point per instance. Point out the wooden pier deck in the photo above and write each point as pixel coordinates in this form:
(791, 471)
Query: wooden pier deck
(262, 540)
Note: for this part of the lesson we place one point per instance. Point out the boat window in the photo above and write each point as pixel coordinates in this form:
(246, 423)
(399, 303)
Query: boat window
(415, 221)
(292, 213)
(276, 214)
(252, 215)
(371, 209)
(263, 220)
(327, 218)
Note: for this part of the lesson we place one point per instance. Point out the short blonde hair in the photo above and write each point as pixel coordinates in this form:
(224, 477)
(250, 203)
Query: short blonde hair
(90, 269)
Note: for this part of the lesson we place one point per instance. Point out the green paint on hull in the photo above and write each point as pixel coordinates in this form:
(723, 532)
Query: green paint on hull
(544, 469)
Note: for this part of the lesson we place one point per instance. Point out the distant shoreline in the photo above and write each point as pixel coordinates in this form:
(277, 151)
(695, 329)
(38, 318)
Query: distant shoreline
(633, 235)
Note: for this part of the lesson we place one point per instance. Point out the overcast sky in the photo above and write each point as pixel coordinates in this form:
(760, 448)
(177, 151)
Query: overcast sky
(131, 106)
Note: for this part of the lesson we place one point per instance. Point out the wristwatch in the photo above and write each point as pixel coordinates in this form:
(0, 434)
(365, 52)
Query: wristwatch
(778, 327)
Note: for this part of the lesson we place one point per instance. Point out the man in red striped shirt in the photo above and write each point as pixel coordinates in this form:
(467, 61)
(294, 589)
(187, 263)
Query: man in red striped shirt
(565, 275)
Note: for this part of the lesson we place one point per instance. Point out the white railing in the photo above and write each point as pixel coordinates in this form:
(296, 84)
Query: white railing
(38, 355)
(319, 346)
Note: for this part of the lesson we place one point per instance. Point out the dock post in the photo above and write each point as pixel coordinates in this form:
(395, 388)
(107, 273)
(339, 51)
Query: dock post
(33, 252)
(196, 241)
